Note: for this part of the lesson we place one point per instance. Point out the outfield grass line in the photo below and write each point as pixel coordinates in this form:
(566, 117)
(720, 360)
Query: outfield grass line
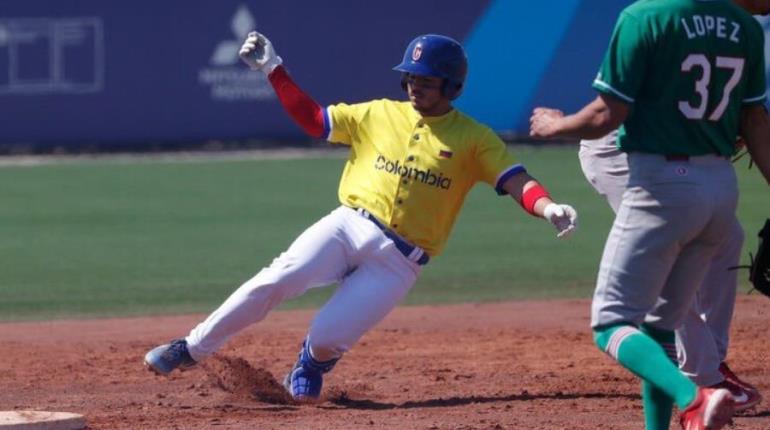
(177, 157)
(206, 156)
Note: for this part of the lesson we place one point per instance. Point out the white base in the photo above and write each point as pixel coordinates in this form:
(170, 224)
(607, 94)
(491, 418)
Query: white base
(41, 420)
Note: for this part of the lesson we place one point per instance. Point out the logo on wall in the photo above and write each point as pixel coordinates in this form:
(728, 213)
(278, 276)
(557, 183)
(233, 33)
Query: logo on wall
(226, 76)
(44, 55)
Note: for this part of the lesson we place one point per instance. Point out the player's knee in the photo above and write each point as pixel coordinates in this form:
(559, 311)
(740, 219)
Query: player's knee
(264, 289)
(289, 276)
(603, 334)
(277, 285)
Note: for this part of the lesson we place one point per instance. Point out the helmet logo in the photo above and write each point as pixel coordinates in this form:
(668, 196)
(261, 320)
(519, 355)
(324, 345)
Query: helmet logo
(417, 52)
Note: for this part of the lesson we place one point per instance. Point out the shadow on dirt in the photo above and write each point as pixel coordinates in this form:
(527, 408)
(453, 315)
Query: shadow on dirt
(343, 400)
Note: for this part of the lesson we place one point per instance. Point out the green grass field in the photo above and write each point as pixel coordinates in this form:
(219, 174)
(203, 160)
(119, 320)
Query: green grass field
(112, 238)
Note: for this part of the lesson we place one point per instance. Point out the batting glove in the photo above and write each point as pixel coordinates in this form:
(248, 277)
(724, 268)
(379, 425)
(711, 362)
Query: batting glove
(258, 52)
(563, 217)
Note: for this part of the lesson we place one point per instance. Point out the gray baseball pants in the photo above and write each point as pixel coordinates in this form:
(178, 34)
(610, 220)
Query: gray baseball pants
(703, 335)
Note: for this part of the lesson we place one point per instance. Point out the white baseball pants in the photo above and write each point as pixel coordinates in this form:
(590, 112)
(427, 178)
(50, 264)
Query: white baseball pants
(343, 247)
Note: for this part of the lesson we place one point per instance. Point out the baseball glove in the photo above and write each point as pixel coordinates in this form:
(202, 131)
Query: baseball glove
(760, 264)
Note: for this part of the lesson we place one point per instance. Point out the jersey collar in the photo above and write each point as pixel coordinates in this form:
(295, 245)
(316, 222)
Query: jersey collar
(435, 119)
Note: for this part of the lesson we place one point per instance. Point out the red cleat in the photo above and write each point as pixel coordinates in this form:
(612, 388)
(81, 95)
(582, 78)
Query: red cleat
(744, 394)
(712, 409)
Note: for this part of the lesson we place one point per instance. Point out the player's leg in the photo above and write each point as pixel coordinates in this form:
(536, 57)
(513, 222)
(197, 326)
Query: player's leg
(704, 335)
(628, 286)
(676, 301)
(660, 211)
(606, 169)
(718, 192)
(716, 299)
(363, 299)
(656, 403)
(319, 256)
(697, 351)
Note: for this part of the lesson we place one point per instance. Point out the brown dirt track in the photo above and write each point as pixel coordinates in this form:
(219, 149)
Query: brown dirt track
(517, 365)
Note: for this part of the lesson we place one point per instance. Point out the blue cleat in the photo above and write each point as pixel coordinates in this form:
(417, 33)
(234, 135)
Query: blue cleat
(305, 380)
(165, 358)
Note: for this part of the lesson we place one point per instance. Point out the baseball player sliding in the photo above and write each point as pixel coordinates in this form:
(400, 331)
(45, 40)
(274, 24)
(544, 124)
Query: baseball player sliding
(683, 77)
(410, 167)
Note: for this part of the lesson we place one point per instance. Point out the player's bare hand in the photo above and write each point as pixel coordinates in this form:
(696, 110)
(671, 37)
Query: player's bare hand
(258, 53)
(543, 122)
(563, 217)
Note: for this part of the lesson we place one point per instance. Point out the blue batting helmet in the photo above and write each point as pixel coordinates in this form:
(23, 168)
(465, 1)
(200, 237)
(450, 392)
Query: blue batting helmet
(436, 55)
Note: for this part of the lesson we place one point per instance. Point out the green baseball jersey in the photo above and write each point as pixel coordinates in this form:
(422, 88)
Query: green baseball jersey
(687, 67)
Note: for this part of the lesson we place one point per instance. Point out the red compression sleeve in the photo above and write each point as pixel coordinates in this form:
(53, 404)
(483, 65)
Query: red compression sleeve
(303, 109)
(531, 196)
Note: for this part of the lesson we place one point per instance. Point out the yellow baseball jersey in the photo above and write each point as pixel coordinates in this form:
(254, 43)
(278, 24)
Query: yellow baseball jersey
(413, 172)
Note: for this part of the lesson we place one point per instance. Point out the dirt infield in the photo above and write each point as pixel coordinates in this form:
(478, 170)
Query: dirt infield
(518, 365)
